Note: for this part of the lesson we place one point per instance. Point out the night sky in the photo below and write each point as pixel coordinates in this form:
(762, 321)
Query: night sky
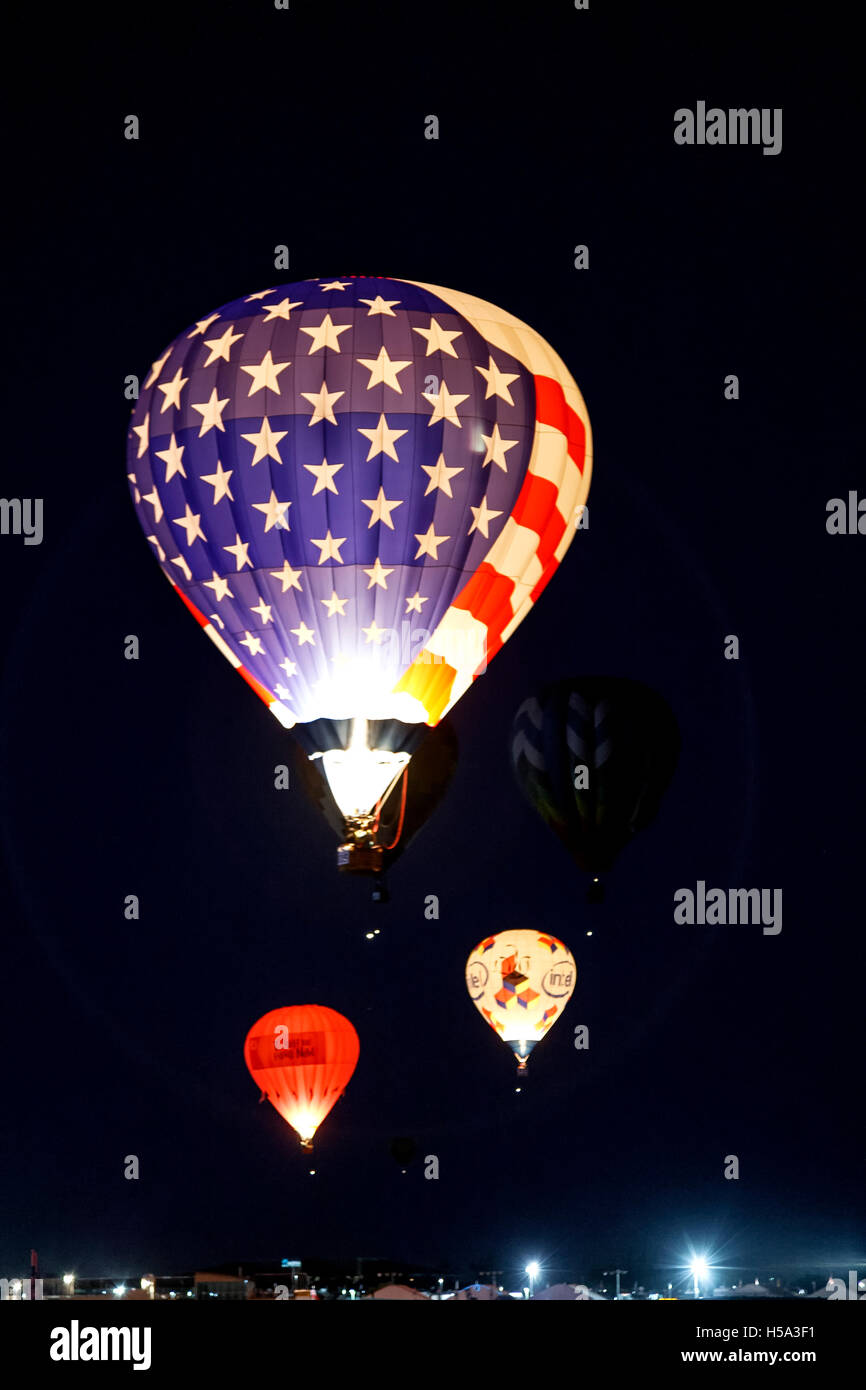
(707, 518)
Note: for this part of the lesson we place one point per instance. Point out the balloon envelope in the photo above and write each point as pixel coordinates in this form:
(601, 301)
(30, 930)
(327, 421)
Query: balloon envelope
(594, 757)
(403, 1150)
(520, 982)
(359, 488)
(302, 1058)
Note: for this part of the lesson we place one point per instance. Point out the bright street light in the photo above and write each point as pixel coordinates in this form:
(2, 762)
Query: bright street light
(699, 1269)
(532, 1269)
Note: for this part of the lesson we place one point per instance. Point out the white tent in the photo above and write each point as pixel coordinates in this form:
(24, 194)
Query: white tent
(562, 1293)
(401, 1291)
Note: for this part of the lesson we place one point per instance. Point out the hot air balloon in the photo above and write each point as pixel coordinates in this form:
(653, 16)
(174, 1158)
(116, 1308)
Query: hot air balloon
(359, 487)
(405, 809)
(520, 982)
(302, 1058)
(403, 1150)
(594, 756)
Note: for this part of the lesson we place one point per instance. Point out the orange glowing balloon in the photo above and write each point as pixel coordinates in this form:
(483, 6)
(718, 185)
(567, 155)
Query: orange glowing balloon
(302, 1058)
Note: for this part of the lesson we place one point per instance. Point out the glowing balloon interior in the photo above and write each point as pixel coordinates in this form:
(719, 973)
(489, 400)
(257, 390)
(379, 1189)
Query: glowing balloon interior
(302, 1058)
(520, 982)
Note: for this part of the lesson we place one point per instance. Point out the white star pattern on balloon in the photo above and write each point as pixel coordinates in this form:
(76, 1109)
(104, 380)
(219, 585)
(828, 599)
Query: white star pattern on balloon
(326, 335)
(444, 405)
(378, 575)
(384, 435)
(380, 306)
(330, 548)
(220, 586)
(143, 431)
(252, 643)
(335, 605)
(381, 509)
(220, 348)
(153, 499)
(498, 382)
(191, 523)
(211, 413)
(173, 457)
(265, 442)
(483, 517)
(383, 371)
(439, 339)
(440, 476)
(324, 474)
(240, 550)
(263, 610)
(203, 325)
(382, 439)
(429, 543)
(275, 512)
(282, 310)
(265, 374)
(219, 481)
(172, 390)
(289, 578)
(323, 402)
(497, 448)
(155, 370)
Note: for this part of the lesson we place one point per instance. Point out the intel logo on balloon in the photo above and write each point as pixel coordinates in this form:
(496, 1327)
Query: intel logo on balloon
(476, 979)
(558, 980)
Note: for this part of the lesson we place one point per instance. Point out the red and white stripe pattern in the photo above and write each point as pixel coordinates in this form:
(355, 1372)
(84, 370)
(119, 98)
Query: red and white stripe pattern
(528, 550)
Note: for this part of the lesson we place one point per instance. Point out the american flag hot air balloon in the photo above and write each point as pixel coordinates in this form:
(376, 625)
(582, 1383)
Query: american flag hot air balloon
(359, 487)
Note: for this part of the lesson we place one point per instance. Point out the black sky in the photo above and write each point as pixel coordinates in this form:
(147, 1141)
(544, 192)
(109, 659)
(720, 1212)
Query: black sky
(707, 517)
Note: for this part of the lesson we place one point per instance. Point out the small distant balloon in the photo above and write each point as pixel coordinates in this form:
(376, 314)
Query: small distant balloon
(403, 1150)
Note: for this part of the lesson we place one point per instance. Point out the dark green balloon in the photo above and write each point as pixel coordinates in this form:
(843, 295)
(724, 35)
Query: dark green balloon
(594, 756)
(403, 1150)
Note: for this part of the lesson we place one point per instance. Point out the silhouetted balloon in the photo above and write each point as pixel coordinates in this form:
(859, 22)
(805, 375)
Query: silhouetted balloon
(594, 756)
(302, 1058)
(403, 1150)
